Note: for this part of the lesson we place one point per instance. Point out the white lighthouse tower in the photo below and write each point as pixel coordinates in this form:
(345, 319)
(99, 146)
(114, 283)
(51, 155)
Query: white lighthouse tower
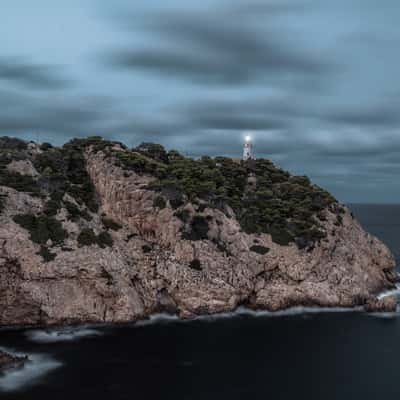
(247, 148)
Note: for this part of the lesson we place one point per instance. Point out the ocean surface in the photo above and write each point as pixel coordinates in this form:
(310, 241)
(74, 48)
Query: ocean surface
(297, 354)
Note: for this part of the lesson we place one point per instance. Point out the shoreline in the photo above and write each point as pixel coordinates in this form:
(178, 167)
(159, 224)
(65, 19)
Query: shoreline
(237, 312)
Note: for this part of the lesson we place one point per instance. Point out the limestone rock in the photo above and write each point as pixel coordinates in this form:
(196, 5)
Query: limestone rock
(149, 266)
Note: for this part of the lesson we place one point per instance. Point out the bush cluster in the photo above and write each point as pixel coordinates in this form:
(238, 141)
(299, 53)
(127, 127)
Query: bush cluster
(109, 223)
(260, 249)
(146, 248)
(63, 170)
(42, 228)
(2, 202)
(19, 182)
(46, 254)
(287, 207)
(282, 205)
(87, 237)
(195, 264)
(8, 143)
(159, 202)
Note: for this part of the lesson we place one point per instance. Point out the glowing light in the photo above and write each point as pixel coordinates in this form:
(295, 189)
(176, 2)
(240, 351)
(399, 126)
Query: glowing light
(247, 138)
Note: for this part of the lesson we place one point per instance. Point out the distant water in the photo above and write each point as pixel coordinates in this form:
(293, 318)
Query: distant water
(382, 221)
(293, 355)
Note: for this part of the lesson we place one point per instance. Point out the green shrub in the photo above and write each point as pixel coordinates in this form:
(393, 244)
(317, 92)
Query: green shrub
(195, 264)
(153, 150)
(64, 171)
(108, 223)
(198, 229)
(139, 163)
(19, 182)
(67, 249)
(106, 275)
(104, 240)
(87, 237)
(159, 202)
(45, 146)
(339, 220)
(42, 228)
(3, 198)
(75, 213)
(183, 215)
(12, 143)
(146, 248)
(51, 208)
(259, 249)
(281, 236)
(45, 253)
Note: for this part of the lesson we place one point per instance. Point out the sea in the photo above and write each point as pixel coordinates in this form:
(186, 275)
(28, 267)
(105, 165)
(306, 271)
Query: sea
(295, 354)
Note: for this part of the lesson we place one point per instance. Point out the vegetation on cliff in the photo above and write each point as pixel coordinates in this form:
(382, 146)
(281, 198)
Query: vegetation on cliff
(263, 197)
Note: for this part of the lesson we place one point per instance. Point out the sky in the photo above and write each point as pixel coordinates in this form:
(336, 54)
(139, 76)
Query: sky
(314, 82)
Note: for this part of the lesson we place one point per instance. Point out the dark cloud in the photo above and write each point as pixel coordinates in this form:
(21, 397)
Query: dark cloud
(385, 115)
(214, 48)
(255, 115)
(20, 72)
(61, 118)
(268, 7)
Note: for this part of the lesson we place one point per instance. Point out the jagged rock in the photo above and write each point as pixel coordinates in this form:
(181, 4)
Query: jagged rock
(145, 266)
(23, 167)
(387, 304)
(8, 361)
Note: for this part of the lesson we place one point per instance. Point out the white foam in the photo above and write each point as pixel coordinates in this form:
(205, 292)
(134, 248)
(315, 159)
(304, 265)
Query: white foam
(391, 292)
(168, 318)
(158, 319)
(31, 373)
(286, 312)
(61, 335)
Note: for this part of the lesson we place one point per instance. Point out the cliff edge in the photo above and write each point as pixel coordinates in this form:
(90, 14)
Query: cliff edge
(94, 231)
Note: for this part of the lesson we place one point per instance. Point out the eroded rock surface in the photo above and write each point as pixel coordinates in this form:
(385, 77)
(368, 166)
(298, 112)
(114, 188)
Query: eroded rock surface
(135, 258)
(8, 361)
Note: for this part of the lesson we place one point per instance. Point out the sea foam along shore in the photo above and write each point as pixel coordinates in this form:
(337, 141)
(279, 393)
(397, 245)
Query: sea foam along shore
(33, 370)
(64, 334)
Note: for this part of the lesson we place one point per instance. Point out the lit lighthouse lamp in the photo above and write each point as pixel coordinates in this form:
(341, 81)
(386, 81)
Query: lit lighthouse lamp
(247, 148)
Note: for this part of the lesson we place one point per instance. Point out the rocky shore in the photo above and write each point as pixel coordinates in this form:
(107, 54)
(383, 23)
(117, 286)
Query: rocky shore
(96, 232)
(8, 361)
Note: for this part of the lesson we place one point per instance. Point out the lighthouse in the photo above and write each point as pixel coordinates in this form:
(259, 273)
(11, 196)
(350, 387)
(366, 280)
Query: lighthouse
(247, 148)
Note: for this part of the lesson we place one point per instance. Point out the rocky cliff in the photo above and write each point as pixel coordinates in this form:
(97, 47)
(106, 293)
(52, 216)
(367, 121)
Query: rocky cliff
(94, 231)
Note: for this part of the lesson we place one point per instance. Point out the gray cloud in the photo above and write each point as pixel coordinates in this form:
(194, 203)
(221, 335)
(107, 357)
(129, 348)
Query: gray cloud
(36, 76)
(283, 7)
(59, 118)
(222, 46)
(383, 115)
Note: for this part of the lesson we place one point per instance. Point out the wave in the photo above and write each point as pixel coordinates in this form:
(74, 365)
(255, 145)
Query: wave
(61, 335)
(161, 318)
(243, 311)
(298, 310)
(31, 373)
(391, 292)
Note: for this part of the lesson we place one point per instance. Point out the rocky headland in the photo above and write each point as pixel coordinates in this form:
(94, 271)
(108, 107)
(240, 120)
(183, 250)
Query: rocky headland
(96, 232)
(8, 361)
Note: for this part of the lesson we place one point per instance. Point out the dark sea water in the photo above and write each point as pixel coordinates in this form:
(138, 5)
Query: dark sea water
(293, 355)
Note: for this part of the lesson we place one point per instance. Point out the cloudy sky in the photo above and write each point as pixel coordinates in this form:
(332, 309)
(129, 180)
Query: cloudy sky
(315, 82)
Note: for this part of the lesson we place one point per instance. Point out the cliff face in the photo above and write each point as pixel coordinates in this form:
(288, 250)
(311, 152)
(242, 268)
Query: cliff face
(96, 232)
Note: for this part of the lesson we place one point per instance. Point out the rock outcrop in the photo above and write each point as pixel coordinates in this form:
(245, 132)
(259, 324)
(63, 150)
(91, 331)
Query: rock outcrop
(8, 361)
(88, 234)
